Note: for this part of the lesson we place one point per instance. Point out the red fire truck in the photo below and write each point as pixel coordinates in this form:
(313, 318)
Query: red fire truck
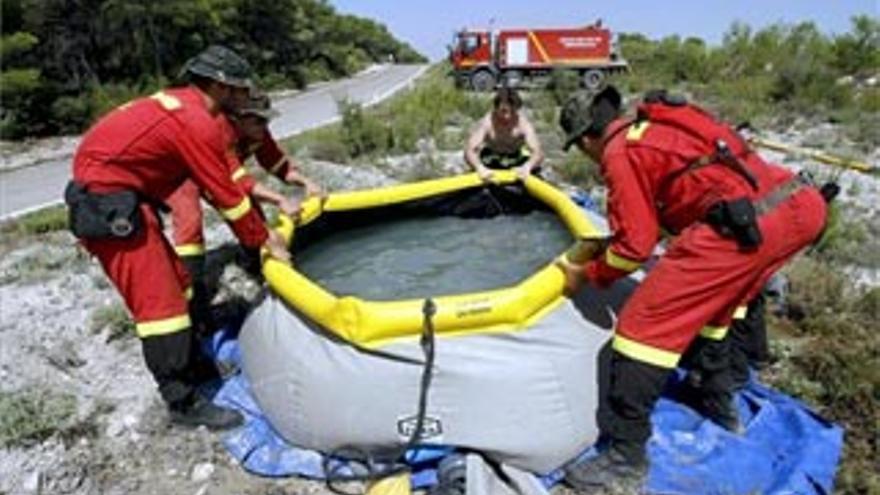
(482, 59)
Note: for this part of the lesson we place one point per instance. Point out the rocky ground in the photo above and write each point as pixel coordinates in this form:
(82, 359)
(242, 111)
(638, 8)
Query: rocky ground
(79, 413)
(99, 426)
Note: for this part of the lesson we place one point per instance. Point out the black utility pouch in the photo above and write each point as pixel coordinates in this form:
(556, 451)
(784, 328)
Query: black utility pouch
(737, 219)
(102, 216)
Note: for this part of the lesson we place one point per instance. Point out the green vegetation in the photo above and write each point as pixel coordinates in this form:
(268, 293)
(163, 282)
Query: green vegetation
(115, 319)
(844, 241)
(20, 231)
(30, 416)
(39, 261)
(828, 359)
(767, 74)
(45, 220)
(575, 169)
(426, 112)
(64, 63)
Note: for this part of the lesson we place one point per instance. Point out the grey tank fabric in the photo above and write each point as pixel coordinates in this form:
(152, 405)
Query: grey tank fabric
(527, 399)
(482, 479)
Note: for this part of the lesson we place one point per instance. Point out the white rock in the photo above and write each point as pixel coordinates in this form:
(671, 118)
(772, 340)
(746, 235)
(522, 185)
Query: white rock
(202, 471)
(114, 429)
(33, 482)
(130, 421)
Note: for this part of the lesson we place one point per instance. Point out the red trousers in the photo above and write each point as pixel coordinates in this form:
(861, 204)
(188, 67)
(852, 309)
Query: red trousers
(149, 276)
(703, 277)
(187, 220)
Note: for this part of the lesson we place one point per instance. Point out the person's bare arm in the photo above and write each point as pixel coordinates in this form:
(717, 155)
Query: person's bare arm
(294, 176)
(472, 149)
(263, 194)
(534, 145)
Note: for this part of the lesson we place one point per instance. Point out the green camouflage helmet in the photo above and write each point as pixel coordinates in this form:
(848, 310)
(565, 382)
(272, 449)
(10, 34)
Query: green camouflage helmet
(222, 65)
(259, 105)
(585, 113)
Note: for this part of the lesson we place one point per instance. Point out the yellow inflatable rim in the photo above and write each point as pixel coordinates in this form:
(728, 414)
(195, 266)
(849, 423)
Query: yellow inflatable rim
(373, 324)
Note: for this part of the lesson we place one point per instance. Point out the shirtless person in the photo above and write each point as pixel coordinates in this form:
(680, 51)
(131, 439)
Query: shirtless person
(504, 139)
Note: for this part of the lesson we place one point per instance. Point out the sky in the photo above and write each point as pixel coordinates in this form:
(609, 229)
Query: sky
(428, 25)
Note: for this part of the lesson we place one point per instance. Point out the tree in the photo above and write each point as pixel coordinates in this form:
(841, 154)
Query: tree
(64, 62)
(858, 52)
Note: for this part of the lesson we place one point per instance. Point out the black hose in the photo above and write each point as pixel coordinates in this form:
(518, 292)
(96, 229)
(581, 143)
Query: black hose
(372, 470)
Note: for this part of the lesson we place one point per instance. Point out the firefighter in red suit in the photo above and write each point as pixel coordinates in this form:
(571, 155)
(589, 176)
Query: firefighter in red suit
(736, 220)
(131, 160)
(248, 135)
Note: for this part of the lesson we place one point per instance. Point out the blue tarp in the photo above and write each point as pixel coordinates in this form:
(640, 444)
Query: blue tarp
(786, 449)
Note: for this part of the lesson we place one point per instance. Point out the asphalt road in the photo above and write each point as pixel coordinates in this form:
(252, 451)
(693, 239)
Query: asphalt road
(29, 188)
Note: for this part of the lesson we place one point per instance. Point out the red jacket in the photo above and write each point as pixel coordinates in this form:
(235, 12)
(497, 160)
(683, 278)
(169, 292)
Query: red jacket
(267, 152)
(641, 164)
(151, 145)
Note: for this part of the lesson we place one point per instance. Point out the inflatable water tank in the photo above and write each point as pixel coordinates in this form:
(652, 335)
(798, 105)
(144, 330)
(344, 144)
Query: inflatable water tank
(515, 371)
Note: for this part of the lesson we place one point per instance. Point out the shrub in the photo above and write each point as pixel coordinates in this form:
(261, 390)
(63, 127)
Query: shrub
(30, 416)
(18, 81)
(15, 45)
(330, 150)
(105, 98)
(73, 112)
(562, 84)
(844, 239)
(324, 143)
(362, 133)
(828, 369)
(115, 319)
(425, 111)
(578, 170)
(46, 220)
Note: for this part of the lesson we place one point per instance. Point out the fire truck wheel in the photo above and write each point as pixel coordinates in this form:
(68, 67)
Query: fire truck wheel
(483, 80)
(593, 79)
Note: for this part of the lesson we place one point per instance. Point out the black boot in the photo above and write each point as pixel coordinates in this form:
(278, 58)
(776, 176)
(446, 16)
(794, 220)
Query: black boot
(710, 386)
(199, 411)
(622, 468)
(169, 358)
(717, 406)
(626, 423)
(748, 343)
(720, 407)
(202, 369)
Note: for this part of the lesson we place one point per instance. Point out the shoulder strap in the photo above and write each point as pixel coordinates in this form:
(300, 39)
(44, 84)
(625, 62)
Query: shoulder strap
(720, 143)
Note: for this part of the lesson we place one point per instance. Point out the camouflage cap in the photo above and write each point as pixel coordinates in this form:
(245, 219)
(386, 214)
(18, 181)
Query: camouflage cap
(584, 112)
(259, 105)
(221, 64)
